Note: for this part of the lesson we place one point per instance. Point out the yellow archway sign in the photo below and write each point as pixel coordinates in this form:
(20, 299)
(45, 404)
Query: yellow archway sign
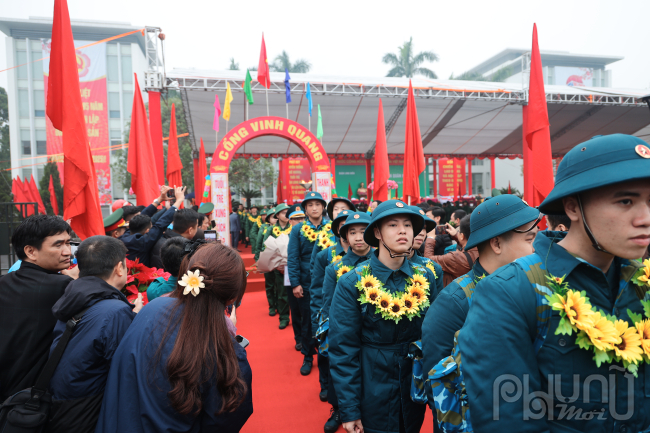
(246, 131)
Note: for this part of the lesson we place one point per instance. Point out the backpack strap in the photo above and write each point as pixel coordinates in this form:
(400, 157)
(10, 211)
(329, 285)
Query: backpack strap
(467, 284)
(536, 273)
(469, 259)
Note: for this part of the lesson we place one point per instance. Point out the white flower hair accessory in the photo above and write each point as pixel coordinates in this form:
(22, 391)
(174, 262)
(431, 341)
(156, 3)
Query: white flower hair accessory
(193, 282)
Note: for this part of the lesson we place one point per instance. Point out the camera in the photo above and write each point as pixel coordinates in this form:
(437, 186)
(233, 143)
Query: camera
(171, 194)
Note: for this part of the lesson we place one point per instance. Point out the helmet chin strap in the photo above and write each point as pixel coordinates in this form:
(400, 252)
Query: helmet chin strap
(593, 240)
(393, 255)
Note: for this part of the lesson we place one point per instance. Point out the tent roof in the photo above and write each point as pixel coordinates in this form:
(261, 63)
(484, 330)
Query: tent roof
(456, 117)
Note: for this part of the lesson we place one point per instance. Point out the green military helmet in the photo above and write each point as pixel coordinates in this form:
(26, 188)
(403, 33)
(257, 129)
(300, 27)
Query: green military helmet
(601, 161)
(342, 216)
(206, 208)
(499, 215)
(354, 218)
(389, 208)
(313, 195)
(114, 221)
(429, 224)
(279, 208)
(330, 206)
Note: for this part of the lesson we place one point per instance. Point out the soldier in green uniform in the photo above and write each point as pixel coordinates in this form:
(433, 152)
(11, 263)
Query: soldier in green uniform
(281, 227)
(114, 224)
(254, 230)
(252, 219)
(257, 245)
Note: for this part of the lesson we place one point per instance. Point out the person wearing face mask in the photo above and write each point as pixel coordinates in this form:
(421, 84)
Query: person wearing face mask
(592, 275)
(376, 313)
(77, 385)
(503, 229)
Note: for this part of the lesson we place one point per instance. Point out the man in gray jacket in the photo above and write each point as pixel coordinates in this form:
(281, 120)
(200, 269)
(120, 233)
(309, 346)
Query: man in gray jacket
(235, 228)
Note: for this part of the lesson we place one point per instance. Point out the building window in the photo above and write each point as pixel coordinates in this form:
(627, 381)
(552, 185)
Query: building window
(25, 142)
(23, 103)
(112, 72)
(477, 183)
(41, 142)
(127, 71)
(116, 138)
(21, 59)
(27, 174)
(37, 67)
(477, 162)
(127, 99)
(114, 105)
(39, 103)
(39, 175)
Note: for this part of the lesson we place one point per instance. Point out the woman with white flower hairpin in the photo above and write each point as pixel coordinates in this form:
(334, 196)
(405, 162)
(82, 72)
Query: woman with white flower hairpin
(178, 368)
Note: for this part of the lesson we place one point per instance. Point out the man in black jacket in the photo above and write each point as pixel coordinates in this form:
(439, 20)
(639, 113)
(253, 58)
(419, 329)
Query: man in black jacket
(142, 235)
(185, 224)
(26, 300)
(77, 385)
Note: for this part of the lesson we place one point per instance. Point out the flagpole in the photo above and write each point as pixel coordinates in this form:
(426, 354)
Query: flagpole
(267, 99)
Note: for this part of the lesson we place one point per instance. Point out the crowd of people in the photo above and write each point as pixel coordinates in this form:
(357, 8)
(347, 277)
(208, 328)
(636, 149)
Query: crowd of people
(402, 308)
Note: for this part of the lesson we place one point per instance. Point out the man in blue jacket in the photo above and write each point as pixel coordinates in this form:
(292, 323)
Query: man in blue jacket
(78, 383)
(527, 365)
(301, 244)
(376, 313)
(142, 235)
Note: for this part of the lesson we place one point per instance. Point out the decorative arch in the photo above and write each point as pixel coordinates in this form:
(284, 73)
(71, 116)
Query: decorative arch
(249, 130)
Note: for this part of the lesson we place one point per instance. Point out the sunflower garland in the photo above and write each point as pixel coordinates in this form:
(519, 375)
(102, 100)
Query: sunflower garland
(395, 306)
(611, 339)
(342, 270)
(642, 276)
(335, 258)
(432, 268)
(277, 231)
(313, 235)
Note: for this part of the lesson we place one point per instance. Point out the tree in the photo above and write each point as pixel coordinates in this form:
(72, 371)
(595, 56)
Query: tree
(513, 191)
(406, 64)
(249, 194)
(233, 66)
(283, 62)
(501, 74)
(246, 175)
(469, 76)
(51, 168)
(5, 150)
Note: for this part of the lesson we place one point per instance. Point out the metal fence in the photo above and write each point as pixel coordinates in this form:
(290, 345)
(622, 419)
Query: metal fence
(11, 215)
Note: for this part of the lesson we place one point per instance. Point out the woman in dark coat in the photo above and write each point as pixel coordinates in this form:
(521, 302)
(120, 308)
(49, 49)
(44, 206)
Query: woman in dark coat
(184, 337)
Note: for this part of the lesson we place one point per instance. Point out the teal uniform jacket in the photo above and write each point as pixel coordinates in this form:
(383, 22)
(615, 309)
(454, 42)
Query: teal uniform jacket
(316, 251)
(323, 259)
(299, 255)
(497, 346)
(368, 354)
(329, 284)
(417, 258)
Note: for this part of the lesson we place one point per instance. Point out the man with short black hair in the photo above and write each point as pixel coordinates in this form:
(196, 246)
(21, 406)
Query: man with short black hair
(456, 216)
(77, 385)
(185, 225)
(131, 211)
(558, 223)
(438, 239)
(27, 295)
(142, 235)
(171, 255)
(457, 263)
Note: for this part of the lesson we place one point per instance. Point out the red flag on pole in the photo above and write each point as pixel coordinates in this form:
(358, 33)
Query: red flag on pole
(538, 162)
(509, 190)
(200, 172)
(382, 170)
(413, 152)
(349, 191)
(263, 73)
(141, 163)
(53, 201)
(37, 196)
(278, 191)
(18, 191)
(174, 164)
(80, 194)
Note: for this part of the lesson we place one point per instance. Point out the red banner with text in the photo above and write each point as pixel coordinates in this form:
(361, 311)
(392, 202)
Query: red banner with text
(294, 171)
(91, 62)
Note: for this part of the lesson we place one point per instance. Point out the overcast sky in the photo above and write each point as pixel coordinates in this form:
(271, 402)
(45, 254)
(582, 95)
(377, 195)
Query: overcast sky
(348, 38)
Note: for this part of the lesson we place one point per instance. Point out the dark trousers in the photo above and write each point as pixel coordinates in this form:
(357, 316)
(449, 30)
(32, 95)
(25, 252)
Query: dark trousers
(323, 372)
(281, 301)
(308, 340)
(331, 393)
(234, 239)
(269, 285)
(296, 317)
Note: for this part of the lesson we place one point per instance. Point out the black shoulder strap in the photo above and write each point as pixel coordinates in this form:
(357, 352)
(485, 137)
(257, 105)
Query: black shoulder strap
(48, 371)
(469, 259)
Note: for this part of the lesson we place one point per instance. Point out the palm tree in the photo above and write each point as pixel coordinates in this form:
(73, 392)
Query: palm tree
(249, 194)
(502, 74)
(405, 64)
(233, 66)
(282, 62)
(468, 76)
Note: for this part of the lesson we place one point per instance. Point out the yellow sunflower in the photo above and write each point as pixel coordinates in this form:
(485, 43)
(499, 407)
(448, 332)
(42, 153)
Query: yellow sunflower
(369, 281)
(420, 280)
(396, 308)
(417, 292)
(430, 266)
(410, 304)
(384, 302)
(630, 346)
(643, 327)
(313, 237)
(603, 335)
(276, 231)
(343, 270)
(646, 270)
(322, 243)
(336, 258)
(577, 310)
(372, 295)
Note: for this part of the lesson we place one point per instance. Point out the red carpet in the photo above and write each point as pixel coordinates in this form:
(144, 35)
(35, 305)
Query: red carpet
(283, 400)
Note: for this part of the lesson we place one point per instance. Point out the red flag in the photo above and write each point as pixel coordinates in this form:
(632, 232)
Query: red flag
(263, 73)
(349, 191)
(141, 163)
(18, 190)
(174, 164)
(200, 172)
(382, 169)
(80, 194)
(509, 190)
(278, 191)
(53, 201)
(413, 152)
(538, 161)
(37, 196)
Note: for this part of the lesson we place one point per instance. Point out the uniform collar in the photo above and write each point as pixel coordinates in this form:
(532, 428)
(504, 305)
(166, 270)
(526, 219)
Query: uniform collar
(338, 248)
(383, 272)
(478, 270)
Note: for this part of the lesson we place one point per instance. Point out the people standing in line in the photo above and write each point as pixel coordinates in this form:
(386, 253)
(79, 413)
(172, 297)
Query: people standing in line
(142, 235)
(235, 229)
(77, 385)
(296, 216)
(178, 367)
(457, 263)
(280, 226)
(255, 229)
(252, 219)
(603, 186)
(372, 328)
(301, 244)
(349, 230)
(185, 224)
(42, 243)
(171, 255)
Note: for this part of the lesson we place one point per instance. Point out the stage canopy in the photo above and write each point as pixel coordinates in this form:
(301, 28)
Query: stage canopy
(457, 118)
